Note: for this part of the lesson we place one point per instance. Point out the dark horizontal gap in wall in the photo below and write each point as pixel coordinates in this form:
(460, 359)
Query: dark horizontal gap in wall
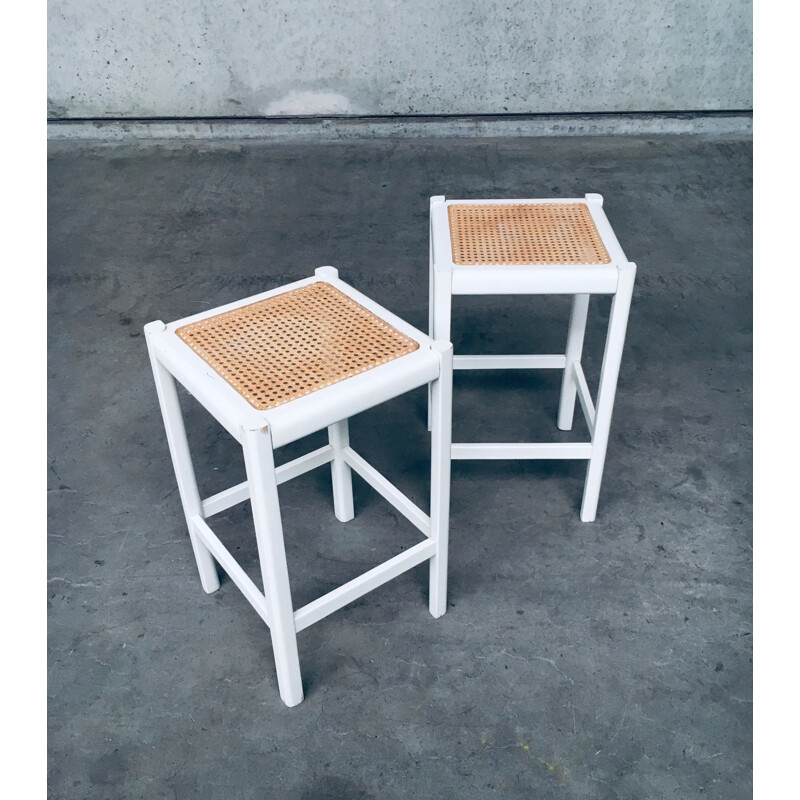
(310, 119)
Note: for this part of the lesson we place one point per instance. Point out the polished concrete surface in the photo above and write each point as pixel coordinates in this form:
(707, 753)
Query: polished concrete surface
(577, 660)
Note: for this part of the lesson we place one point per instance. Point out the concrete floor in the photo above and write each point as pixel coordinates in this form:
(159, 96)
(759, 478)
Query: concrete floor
(602, 660)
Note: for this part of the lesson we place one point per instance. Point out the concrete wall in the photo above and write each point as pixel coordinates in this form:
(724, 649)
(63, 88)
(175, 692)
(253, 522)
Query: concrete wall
(136, 58)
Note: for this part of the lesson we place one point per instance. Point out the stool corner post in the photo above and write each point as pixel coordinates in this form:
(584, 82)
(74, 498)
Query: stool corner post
(256, 423)
(624, 294)
(341, 474)
(589, 508)
(441, 443)
(595, 198)
(574, 350)
(292, 696)
(443, 347)
(442, 276)
(183, 468)
(152, 328)
(607, 388)
(326, 272)
(437, 200)
(627, 272)
(260, 469)
(441, 301)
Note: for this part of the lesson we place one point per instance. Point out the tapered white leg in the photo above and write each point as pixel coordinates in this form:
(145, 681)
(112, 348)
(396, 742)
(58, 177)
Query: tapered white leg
(617, 325)
(441, 411)
(182, 464)
(260, 466)
(442, 304)
(577, 329)
(430, 313)
(341, 475)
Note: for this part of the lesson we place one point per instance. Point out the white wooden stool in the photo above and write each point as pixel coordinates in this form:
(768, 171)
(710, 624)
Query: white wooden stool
(276, 367)
(518, 247)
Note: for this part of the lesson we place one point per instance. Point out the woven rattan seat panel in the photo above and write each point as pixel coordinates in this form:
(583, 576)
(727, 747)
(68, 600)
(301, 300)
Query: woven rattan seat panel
(294, 343)
(525, 233)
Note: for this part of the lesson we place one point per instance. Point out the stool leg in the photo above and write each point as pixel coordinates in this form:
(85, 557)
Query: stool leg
(260, 466)
(617, 325)
(431, 301)
(441, 304)
(184, 471)
(441, 412)
(577, 328)
(341, 474)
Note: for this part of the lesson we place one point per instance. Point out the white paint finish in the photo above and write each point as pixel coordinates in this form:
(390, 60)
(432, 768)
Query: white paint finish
(584, 395)
(412, 512)
(292, 421)
(247, 58)
(228, 498)
(514, 279)
(341, 476)
(259, 465)
(302, 464)
(441, 413)
(501, 451)
(255, 434)
(539, 279)
(352, 590)
(181, 456)
(317, 410)
(606, 391)
(581, 280)
(509, 362)
(232, 568)
(575, 334)
(285, 472)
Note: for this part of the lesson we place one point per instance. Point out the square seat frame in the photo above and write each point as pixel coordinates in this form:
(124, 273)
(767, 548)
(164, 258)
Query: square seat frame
(260, 433)
(615, 278)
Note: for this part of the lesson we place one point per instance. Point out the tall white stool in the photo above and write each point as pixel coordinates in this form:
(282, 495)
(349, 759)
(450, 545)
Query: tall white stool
(529, 247)
(276, 367)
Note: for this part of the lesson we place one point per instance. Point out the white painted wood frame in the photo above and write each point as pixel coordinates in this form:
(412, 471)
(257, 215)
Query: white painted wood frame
(261, 432)
(579, 280)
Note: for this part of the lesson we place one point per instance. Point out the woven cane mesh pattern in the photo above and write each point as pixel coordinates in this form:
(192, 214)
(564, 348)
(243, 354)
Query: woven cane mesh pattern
(525, 233)
(292, 344)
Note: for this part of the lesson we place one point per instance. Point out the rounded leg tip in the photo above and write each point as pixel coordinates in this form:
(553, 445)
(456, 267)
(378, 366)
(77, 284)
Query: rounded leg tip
(210, 585)
(437, 607)
(292, 701)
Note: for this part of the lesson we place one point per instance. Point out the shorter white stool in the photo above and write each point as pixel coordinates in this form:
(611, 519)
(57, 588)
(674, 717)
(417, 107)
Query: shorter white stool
(279, 366)
(537, 247)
